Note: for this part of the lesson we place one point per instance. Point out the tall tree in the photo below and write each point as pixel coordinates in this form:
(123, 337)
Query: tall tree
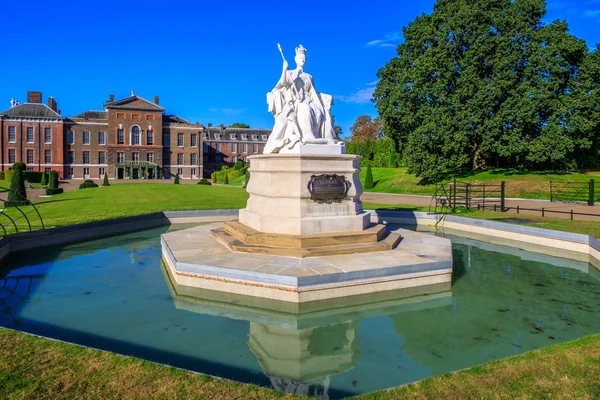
(239, 125)
(336, 128)
(483, 83)
(365, 127)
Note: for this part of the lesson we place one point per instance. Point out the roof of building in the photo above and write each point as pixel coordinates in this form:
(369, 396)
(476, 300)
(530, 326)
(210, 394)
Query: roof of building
(91, 114)
(32, 110)
(134, 102)
(237, 134)
(175, 118)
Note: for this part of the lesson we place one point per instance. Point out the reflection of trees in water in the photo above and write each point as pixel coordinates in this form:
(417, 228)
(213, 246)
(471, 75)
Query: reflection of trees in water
(15, 294)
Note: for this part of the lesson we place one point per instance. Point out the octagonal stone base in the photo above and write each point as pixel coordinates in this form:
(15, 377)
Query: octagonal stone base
(195, 258)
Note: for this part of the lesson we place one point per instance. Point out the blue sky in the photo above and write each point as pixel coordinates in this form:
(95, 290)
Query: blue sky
(213, 61)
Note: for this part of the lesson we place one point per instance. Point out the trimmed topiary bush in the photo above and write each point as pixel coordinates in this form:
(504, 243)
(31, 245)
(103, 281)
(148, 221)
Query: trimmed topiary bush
(369, 184)
(44, 181)
(213, 177)
(53, 184)
(105, 182)
(238, 165)
(176, 179)
(204, 182)
(17, 195)
(19, 165)
(392, 160)
(226, 179)
(88, 183)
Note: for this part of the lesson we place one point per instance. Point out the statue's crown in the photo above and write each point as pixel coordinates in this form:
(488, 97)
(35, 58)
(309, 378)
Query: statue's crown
(300, 50)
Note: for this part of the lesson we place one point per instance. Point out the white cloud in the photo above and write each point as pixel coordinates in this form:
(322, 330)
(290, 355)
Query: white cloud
(591, 13)
(389, 40)
(227, 111)
(373, 83)
(362, 96)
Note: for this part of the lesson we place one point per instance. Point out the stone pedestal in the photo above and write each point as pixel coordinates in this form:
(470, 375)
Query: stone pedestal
(280, 201)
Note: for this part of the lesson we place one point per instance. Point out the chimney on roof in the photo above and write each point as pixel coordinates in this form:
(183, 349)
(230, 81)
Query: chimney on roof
(221, 126)
(156, 100)
(52, 104)
(111, 98)
(34, 97)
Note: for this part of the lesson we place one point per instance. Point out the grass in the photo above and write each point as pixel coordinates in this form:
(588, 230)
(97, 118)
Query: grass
(527, 185)
(33, 367)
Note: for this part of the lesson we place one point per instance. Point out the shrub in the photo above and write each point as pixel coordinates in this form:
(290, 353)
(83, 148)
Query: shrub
(176, 179)
(88, 183)
(44, 181)
(8, 175)
(53, 181)
(392, 160)
(51, 191)
(2, 176)
(369, 179)
(238, 165)
(19, 165)
(226, 179)
(105, 182)
(213, 177)
(32, 176)
(204, 182)
(17, 196)
(247, 178)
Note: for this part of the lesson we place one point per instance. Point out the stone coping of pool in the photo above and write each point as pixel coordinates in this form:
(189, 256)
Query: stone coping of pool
(539, 240)
(198, 259)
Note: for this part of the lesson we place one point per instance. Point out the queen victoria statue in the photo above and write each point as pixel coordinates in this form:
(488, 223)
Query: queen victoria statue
(302, 115)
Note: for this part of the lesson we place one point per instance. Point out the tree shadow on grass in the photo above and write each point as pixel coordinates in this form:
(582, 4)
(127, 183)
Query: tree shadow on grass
(57, 200)
(400, 208)
(518, 172)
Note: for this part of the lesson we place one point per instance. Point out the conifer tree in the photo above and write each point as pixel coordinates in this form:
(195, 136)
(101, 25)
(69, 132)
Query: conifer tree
(369, 179)
(17, 195)
(176, 182)
(105, 182)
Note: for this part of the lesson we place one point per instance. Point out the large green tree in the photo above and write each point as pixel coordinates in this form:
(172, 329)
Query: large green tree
(484, 83)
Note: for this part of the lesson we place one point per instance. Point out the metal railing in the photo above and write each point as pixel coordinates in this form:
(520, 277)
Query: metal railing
(450, 196)
(572, 192)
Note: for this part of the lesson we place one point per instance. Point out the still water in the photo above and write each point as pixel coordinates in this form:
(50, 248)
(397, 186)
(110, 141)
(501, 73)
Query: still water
(113, 294)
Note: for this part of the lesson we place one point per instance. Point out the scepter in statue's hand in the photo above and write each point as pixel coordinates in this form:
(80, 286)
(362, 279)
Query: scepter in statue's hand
(285, 63)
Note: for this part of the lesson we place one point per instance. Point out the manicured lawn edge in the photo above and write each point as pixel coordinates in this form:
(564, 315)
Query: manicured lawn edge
(35, 367)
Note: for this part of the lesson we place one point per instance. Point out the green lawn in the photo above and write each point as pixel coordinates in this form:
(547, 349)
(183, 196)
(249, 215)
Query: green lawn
(529, 185)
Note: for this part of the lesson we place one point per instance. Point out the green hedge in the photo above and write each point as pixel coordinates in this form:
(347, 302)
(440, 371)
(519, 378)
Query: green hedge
(51, 191)
(230, 173)
(204, 182)
(88, 183)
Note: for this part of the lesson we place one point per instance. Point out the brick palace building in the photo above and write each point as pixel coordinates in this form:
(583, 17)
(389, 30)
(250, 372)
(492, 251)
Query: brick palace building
(131, 138)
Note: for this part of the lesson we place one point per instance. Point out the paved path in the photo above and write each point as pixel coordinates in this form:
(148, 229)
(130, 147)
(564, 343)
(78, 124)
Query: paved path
(425, 201)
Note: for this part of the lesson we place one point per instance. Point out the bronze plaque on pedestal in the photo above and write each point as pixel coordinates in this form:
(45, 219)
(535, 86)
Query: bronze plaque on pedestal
(328, 188)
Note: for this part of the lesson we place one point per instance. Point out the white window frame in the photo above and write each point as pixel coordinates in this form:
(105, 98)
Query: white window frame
(83, 153)
(47, 141)
(70, 135)
(182, 137)
(72, 160)
(244, 148)
(46, 152)
(86, 169)
(182, 159)
(103, 136)
(120, 157)
(103, 153)
(30, 151)
(27, 130)
(14, 133)
(150, 157)
(101, 172)
(89, 138)
(234, 147)
(193, 138)
(139, 143)
(135, 156)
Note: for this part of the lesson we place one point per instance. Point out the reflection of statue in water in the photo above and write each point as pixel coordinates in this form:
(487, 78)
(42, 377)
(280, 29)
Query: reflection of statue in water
(301, 113)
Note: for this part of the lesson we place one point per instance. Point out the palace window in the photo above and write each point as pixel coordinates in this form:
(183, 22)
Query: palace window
(86, 157)
(120, 157)
(218, 147)
(245, 148)
(101, 157)
(166, 140)
(29, 134)
(264, 137)
(70, 157)
(120, 136)
(205, 147)
(86, 172)
(101, 172)
(255, 148)
(193, 140)
(29, 156)
(179, 159)
(180, 172)
(135, 135)
(101, 138)
(11, 156)
(149, 137)
(233, 136)
(86, 137)
(244, 137)
(70, 137)
(120, 115)
(193, 159)
(234, 147)
(150, 157)
(12, 134)
(180, 139)
(47, 135)
(135, 156)
(48, 156)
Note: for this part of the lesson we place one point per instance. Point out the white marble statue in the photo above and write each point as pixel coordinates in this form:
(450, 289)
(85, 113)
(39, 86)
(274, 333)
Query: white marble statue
(302, 115)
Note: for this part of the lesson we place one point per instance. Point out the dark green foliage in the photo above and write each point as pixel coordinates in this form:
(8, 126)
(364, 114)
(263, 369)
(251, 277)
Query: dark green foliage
(53, 182)
(239, 125)
(226, 179)
(238, 165)
(374, 152)
(19, 165)
(88, 183)
(485, 83)
(17, 196)
(51, 191)
(44, 181)
(2, 176)
(204, 182)
(247, 178)
(392, 159)
(369, 184)
(105, 182)
(33, 176)
(176, 182)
